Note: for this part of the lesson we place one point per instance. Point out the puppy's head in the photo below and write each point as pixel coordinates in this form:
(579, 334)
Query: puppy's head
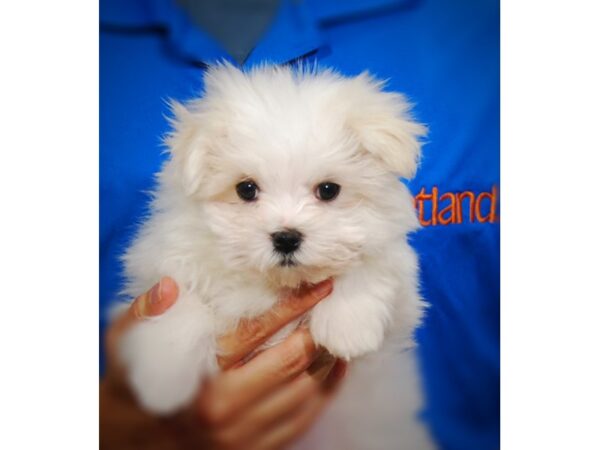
(297, 172)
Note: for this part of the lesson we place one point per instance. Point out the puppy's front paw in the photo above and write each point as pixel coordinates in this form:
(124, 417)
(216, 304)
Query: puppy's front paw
(162, 390)
(163, 374)
(345, 333)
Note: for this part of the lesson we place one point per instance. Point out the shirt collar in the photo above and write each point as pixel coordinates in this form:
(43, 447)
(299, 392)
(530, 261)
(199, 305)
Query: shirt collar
(293, 33)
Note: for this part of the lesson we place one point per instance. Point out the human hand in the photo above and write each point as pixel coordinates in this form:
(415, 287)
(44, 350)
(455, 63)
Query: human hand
(265, 403)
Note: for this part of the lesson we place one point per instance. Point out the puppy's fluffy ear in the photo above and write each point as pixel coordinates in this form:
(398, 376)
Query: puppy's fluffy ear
(199, 125)
(187, 145)
(383, 124)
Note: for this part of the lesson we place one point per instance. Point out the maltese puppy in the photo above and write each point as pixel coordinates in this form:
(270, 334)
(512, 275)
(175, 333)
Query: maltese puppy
(279, 177)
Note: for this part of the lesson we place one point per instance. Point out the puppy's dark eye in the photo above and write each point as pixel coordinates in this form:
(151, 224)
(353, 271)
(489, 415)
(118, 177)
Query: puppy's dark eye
(247, 190)
(327, 191)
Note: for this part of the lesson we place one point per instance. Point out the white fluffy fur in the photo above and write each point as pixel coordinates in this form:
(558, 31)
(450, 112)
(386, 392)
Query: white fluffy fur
(287, 130)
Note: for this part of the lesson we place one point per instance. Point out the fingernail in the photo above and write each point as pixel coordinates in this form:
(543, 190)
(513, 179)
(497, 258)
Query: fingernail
(340, 369)
(323, 288)
(156, 294)
(336, 375)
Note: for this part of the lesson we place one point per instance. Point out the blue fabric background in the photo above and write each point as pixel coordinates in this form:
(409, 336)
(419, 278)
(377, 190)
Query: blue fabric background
(443, 54)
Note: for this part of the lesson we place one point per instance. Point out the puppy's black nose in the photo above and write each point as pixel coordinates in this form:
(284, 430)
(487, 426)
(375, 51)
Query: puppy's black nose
(286, 241)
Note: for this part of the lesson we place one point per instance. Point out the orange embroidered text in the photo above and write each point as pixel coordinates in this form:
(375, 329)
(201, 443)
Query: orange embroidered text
(456, 207)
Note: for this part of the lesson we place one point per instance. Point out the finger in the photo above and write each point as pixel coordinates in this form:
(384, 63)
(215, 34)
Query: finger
(291, 429)
(233, 390)
(279, 404)
(336, 376)
(251, 333)
(296, 425)
(290, 396)
(151, 303)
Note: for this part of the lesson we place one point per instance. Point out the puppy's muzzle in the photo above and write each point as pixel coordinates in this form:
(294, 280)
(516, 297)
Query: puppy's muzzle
(286, 242)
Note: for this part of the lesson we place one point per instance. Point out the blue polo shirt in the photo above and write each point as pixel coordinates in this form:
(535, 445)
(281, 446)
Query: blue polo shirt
(444, 55)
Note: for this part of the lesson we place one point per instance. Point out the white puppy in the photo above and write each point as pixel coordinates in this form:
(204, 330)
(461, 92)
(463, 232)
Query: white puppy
(276, 178)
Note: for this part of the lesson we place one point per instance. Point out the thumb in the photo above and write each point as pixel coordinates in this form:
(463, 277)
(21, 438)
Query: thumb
(150, 304)
(156, 301)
